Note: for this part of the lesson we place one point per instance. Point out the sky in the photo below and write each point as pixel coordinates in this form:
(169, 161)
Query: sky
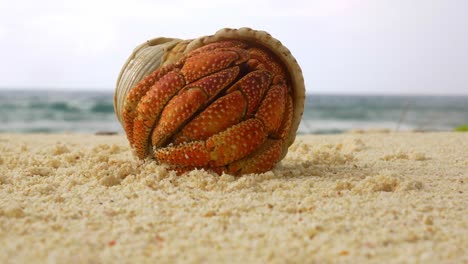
(343, 46)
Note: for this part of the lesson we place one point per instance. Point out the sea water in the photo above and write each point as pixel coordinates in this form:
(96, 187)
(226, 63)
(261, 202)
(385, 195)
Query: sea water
(90, 112)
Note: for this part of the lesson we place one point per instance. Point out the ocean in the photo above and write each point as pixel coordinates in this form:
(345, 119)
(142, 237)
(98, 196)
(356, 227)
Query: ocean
(91, 112)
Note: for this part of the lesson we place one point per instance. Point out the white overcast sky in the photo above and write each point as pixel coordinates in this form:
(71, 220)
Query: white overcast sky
(343, 46)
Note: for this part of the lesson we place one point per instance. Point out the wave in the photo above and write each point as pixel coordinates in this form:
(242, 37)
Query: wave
(49, 111)
(102, 107)
(54, 106)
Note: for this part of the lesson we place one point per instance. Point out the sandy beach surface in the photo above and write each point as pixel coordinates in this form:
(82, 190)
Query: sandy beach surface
(356, 198)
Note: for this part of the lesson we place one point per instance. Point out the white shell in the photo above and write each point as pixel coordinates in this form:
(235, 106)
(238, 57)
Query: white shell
(159, 51)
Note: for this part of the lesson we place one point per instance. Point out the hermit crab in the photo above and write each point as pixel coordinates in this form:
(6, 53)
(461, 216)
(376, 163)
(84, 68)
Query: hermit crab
(229, 102)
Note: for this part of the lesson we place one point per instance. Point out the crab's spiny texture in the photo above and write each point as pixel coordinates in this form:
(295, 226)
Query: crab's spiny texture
(261, 59)
(236, 142)
(272, 108)
(203, 64)
(263, 159)
(178, 110)
(213, 84)
(226, 106)
(253, 86)
(135, 95)
(183, 106)
(151, 106)
(221, 149)
(193, 154)
(219, 45)
(220, 115)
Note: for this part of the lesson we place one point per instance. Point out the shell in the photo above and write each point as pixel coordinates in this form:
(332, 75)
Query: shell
(157, 52)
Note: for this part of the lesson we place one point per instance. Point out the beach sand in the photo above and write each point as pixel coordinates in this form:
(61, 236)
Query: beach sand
(362, 197)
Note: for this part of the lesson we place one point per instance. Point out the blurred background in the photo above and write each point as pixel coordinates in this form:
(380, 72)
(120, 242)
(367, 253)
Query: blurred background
(388, 65)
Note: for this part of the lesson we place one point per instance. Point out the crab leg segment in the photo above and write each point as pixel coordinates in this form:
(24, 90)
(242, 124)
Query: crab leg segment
(276, 121)
(253, 86)
(183, 106)
(220, 149)
(206, 63)
(135, 95)
(151, 106)
(260, 59)
(228, 110)
(212, 85)
(177, 111)
(263, 159)
(193, 154)
(272, 108)
(236, 142)
(219, 116)
(219, 45)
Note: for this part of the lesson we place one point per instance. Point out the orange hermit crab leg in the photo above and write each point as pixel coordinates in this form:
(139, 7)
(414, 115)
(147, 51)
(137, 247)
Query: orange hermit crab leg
(183, 106)
(228, 110)
(271, 113)
(194, 67)
(248, 135)
(221, 149)
(271, 109)
(260, 59)
(175, 114)
(150, 107)
(135, 95)
(193, 154)
(220, 115)
(253, 86)
(218, 45)
(236, 142)
(206, 63)
(263, 159)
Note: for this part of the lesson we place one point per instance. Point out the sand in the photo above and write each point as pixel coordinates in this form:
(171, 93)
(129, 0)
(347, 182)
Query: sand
(357, 198)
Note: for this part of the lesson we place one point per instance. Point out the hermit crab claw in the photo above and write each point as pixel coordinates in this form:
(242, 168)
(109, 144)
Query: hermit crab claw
(229, 102)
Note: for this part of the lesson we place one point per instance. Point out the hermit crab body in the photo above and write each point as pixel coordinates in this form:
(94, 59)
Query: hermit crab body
(229, 103)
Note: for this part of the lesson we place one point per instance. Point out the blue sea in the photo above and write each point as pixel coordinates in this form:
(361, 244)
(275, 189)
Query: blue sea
(91, 112)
